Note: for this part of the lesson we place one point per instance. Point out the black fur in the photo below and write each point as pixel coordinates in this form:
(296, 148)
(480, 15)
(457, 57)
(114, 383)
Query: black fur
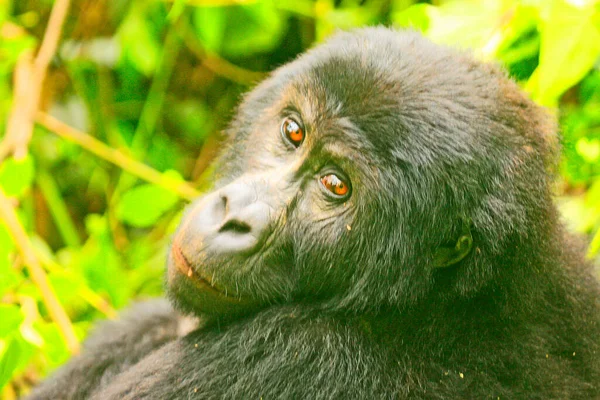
(347, 299)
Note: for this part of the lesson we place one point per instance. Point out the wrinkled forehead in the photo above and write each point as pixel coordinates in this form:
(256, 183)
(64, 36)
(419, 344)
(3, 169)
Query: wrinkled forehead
(344, 86)
(344, 93)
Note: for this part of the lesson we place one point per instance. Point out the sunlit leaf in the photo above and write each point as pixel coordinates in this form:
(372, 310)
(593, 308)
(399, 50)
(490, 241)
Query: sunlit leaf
(4, 8)
(575, 213)
(210, 26)
(466, 23)
(11, 319)
(193, 118)
(100, 262)
(416, 17)
(9, 360)
(6, 244)
(570, 45)
(55, 348)
(67, 288)
(16, 176)
(176, 10)
(589, 149)
(163, 155)
(140, 47)
(12, 46)
(143, 205)
(240, 30)
(9, 278)
(347, 18)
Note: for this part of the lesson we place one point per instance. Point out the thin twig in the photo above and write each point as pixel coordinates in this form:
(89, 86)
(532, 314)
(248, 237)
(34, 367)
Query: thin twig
(25, 98)
(28, 82)
(58, 209)
(213, 62)
(152, 106)
(155, 100)
(181, 188)
(37, 273)
(51, 36)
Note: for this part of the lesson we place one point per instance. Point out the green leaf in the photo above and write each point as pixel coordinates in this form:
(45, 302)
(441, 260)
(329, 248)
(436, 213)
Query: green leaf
(162, 154)
(143, 205)
(55, 349)
(415, 16)
(11, 49)
(210, 26)
(139, 46)
(176, 10)
(575, 213)
(68, 288)
(193, 118)
(11, 319)
(4, 9)
(240, 30)
(594, 246)
(16, 176)
(465, 23)
(9, 361)
(569, 47)
(100, 262)
(6, 245)
(588, 149)
(9, 278)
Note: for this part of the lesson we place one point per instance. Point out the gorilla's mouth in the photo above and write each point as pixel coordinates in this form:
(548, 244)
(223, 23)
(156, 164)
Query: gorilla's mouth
(185, 268)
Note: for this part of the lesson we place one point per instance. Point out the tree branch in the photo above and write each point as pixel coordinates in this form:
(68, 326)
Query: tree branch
(181, 188)
(28, 83)
(214, 63)
(37, 273)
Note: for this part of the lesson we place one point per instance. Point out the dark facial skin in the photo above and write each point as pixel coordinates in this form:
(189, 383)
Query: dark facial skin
(233, 251)
(220, 235)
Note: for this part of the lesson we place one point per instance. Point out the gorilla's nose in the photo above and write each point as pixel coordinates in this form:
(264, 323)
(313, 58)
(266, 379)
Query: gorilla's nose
(232, 220)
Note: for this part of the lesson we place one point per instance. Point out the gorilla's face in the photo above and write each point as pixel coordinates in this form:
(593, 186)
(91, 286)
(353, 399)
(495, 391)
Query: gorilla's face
(280, 225)
(347, 180)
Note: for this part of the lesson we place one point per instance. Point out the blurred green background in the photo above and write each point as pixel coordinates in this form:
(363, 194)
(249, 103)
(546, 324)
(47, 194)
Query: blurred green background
(139, 91)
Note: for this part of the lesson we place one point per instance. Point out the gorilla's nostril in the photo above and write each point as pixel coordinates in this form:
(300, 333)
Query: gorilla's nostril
(235, 226)
(225, 203)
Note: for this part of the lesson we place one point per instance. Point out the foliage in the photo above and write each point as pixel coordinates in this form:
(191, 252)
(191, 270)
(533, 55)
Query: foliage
(154, 81)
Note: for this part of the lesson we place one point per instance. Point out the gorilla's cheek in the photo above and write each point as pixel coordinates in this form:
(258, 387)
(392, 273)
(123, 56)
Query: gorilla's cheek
(198, 293)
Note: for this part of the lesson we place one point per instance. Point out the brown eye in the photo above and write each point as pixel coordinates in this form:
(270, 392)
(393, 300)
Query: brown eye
(292, 132)
(335, 185)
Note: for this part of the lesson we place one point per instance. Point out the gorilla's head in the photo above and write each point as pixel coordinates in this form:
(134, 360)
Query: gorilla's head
(375, 170)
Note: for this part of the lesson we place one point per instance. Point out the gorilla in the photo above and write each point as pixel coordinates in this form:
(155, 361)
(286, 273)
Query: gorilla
(382, 227)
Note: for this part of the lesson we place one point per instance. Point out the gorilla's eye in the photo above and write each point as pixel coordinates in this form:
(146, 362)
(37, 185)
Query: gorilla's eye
(335, 185)
(292, 132)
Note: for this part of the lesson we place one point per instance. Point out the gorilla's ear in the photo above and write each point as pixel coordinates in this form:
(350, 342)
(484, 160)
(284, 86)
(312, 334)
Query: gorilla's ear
(446, 256)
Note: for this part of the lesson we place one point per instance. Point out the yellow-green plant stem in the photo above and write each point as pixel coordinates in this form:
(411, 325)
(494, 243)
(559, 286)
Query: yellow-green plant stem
(37, 273)
(152, 106)
(58, 209)
(128, 164)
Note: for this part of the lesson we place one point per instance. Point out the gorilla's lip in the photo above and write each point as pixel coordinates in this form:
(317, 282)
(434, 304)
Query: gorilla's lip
(185, 268)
